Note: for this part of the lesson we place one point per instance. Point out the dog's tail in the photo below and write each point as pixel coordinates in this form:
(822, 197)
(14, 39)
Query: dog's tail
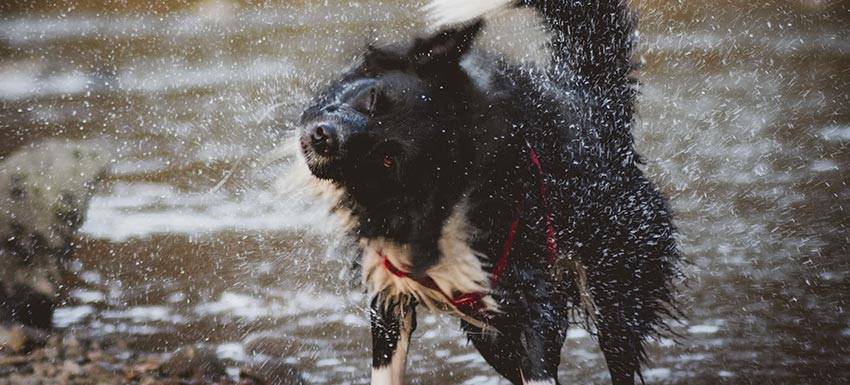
(591, 51)
(592, 55)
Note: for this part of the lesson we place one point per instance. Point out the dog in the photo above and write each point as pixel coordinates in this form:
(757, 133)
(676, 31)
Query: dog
(506, 194)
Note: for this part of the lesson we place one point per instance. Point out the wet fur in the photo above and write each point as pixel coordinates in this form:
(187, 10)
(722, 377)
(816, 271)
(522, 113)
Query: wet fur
(463, 132)
(459, 269)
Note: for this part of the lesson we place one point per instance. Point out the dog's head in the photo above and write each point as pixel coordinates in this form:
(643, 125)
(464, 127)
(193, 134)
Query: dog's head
(389, 127)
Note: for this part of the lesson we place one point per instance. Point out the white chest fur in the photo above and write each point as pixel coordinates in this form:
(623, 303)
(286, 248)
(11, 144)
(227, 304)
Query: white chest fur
(458, 270)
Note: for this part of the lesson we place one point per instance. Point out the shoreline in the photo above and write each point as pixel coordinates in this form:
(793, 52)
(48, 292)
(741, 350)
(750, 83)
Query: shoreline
(31, 356)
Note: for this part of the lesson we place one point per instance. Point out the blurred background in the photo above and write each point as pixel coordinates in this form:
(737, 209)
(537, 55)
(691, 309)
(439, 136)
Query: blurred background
(194, 231)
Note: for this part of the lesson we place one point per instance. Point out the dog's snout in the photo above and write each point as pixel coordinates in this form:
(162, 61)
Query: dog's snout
(320, 134)
(323, 138)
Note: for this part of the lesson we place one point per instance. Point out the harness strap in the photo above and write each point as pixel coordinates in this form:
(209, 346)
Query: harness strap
(472, 304)
(467, 303)
(551, 244)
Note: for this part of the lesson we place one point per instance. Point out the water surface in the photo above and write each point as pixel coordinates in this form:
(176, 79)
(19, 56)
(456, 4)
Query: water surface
(744, 120)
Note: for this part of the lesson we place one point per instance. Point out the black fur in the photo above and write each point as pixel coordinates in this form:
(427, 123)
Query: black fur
(390, 322)
(412, 133)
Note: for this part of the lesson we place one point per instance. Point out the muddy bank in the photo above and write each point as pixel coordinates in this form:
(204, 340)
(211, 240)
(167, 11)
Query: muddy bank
(32, 357)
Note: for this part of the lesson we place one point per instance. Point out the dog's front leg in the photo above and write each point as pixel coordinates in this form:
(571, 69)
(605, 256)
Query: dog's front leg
(543, 336)
(543, 349)
(393, 321)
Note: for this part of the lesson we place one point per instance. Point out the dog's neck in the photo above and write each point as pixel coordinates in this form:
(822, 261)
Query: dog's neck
(460, 268)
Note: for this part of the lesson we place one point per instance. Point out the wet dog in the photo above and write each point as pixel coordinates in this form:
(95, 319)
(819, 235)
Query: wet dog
(505, 194)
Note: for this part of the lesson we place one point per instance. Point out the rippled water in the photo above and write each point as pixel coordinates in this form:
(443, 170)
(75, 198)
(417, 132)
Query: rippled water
(744, 121)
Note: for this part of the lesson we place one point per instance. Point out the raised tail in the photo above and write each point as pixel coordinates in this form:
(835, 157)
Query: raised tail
(591, 51)
(592, 42)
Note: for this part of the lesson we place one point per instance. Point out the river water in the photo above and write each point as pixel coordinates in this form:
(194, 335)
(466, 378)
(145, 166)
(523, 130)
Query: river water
(204, 237)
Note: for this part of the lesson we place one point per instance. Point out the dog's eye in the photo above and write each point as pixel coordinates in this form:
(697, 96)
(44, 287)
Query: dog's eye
(389, 161)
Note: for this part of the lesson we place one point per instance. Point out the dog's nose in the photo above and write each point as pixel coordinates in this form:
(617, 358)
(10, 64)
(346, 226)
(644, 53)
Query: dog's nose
(323, 139)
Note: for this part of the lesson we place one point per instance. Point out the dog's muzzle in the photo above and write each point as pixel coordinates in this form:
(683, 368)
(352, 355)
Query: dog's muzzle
(321, 139)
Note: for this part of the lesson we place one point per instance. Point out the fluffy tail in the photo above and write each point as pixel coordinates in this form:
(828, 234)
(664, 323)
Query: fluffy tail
(593, 40)
(591, 52)
(592, 55)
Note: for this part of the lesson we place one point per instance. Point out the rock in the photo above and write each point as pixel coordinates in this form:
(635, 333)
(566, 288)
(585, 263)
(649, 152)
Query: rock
(7, 362)
(271, 372)
(72, 368)
(195, 363)
(20, 339)
(12, 339)
(118, 365)
(72, 347)
(44, 194)
(23, 303)
(17, 379)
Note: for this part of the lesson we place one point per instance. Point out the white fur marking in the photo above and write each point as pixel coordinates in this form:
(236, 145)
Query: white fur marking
(538, 382)
(446, 12)
(479, 75)
(382, 376)
(458, 270)
(550, 381)
(393, 374)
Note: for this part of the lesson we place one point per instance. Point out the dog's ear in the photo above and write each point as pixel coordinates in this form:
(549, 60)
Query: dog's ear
(379, 59)
(371, 100)
(445, 48)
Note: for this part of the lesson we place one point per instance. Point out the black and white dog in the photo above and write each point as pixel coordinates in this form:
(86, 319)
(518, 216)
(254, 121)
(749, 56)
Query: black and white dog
(507, 195)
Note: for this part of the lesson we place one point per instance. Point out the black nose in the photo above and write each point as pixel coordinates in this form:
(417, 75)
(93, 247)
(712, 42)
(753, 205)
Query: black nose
(323, 139)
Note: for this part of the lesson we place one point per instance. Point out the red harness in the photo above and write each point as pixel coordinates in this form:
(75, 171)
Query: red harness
(472, 304)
